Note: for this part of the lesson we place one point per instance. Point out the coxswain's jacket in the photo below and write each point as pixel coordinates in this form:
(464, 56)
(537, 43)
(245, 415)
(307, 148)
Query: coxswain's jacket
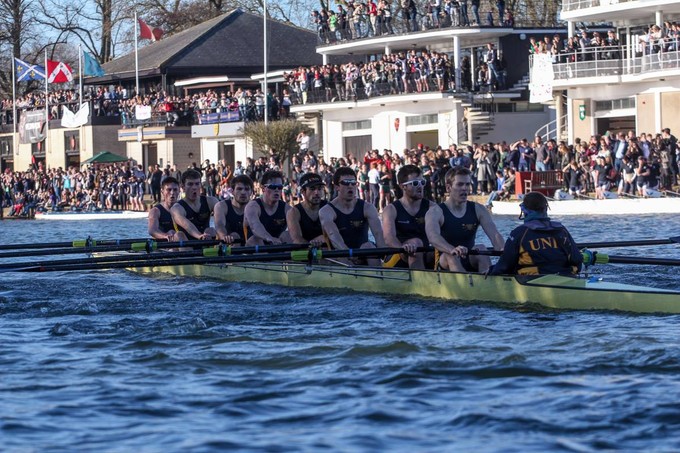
(539, 247)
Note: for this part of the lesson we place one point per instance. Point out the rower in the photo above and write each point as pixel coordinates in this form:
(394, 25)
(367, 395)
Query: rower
(346, 219)
(265, 218)
(452, 226)
(539, 246)
(192, 213)
(303, 221)
(161, 225)
(404, 220)
(229, 213)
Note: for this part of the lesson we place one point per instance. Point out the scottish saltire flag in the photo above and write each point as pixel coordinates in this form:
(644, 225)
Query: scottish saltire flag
(27, 71)
(91, 66)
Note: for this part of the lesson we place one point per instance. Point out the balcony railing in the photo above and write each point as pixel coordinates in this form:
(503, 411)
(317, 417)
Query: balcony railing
(573, 5)
(608, 62)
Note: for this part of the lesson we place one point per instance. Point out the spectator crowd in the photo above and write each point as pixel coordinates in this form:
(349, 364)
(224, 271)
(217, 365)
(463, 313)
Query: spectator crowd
(624, 163)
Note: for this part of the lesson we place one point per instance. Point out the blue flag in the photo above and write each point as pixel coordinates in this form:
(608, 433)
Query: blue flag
(27, 71)
(91, 67)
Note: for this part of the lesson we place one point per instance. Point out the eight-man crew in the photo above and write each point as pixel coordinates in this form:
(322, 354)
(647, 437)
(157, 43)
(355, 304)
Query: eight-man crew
(192, 213)
(451, 226)
(161, 225)
(346, 219)
(229, 213)
(404, 220)
(303, 221)
(265, 218)
(540, 246)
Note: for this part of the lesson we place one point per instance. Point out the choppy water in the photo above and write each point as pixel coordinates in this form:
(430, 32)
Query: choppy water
(113, 361)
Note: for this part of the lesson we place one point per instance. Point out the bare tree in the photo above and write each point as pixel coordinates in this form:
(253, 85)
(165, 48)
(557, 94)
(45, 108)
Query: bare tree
(16, 35)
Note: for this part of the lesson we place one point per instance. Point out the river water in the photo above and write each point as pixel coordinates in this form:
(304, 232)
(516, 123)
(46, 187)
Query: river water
(114, 361)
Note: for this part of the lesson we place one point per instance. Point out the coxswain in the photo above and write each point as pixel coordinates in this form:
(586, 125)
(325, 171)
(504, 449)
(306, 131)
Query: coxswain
(540, 246)
(404, 220)
(192, 213)
(265, 217)
(452, 226)
(303, 221)
(229, 213)
(346, 220)
(161, 225)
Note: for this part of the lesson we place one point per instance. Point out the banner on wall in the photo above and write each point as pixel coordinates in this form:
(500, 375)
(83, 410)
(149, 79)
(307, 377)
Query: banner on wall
(542, 77)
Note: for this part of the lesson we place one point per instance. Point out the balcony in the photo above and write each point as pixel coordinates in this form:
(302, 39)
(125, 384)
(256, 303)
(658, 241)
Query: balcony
(616, 10)
(605, 66)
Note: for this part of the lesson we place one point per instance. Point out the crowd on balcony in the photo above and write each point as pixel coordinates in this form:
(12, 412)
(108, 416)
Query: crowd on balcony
(599, 46)
(35, 100)
(362, 19)
(399, 73)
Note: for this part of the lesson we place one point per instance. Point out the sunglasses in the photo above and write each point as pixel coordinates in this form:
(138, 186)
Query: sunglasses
(348, 182)
(274, 186)
(414, 183)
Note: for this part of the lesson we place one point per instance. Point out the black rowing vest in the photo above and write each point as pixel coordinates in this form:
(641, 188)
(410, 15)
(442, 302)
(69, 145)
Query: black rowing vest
(233, 220)
(463, 230)
(274, 224)
(408, 226)
(200, 219)
(310, 228)
(165, 222)
(353, 227)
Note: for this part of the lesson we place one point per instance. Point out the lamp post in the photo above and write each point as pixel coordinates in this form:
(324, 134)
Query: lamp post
(265, 90)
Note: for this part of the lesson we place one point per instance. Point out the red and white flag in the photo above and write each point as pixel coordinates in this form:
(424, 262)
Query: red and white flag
(146, 32)
(58, 72)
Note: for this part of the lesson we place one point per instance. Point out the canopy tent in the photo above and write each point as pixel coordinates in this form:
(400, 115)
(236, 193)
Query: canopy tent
(105, 157)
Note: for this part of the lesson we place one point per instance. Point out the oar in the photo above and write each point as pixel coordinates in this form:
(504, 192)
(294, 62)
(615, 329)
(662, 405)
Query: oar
(222, 250)
(309, 255)
(80, 243)
(148, 246)
(591, 258)
(641, 242)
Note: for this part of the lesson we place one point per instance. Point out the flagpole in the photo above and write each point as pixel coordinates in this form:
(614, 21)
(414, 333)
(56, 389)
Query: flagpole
(80, 99)
(14, 108)
(266, 92)
(47, 110)
(136, 58)
(80, 74)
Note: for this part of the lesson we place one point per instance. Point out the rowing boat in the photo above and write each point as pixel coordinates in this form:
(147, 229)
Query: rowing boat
(617, 206)
(551, 291)
(91, 215)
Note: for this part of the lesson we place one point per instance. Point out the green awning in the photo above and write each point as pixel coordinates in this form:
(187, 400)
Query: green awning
(105, 157)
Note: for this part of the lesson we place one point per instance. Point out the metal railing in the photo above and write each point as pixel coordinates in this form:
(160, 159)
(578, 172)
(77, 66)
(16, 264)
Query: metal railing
(573, 5)
(608, 61)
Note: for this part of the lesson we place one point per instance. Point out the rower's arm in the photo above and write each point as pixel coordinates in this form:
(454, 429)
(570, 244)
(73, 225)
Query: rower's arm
(252, 217)
(221, 221)
(293, 221)
(327, 218)
(389, 228)
(179, 217)
(434, 219)
(154, 229)
(489, 227)
(374, 224)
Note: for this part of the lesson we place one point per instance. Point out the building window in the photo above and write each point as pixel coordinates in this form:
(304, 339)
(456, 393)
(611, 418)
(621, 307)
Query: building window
(356, 125)
(615, 104)
(5, 148)
(38, 149)
(422, 119)
(72, 142)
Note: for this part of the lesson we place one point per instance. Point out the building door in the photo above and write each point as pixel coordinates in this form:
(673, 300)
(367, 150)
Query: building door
(150, 155)
(356, 146)
(616, 124)
(228, 154)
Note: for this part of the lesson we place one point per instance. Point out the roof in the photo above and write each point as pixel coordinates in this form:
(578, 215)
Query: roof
(230, 44)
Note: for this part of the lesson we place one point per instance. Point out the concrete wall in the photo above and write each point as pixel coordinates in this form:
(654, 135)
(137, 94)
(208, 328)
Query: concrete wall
(645, 108)
(670, 111)
(514, 126)
(581, 128)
